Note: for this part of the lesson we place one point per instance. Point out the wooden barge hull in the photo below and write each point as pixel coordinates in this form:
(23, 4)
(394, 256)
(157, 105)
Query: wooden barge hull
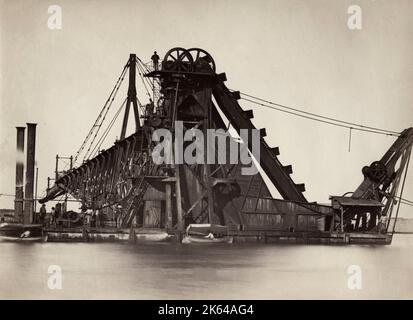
(153, 236)
(107, 235)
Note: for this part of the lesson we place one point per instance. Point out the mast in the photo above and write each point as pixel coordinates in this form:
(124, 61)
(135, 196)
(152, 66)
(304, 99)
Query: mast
(131, 99)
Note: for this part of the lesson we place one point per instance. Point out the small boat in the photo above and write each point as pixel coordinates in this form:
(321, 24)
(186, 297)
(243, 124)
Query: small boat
(21, 232)
(148, 235)
(206, 233)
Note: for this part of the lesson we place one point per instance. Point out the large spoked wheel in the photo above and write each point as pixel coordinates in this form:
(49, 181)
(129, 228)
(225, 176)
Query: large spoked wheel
(377, 171)
(202, 59)
(178, 59)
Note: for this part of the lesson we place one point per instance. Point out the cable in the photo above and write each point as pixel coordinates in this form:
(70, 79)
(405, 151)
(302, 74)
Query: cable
(107, 130)
(150, 83)
(100, 114)
(406, 203)
(319, 120)
(145, 68)
(92, 149)
(87, 154)
(352, 125)
(143, 81)
(406, 200)
(120, 78)
(104, 111)
(102, 138)
(401, 191)
(148, 70)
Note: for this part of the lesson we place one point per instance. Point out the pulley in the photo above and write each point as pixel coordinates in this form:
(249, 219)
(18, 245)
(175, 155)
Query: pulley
(376, 171)
(177, 59)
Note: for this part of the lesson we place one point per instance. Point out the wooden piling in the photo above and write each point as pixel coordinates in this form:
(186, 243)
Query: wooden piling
(168, 205)
(132, 235)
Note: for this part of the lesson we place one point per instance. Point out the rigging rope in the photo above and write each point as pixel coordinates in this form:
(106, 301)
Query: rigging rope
(87, 154)
(406, 204)
(404, 201)
(140, 72)
(147, 69)
(312, 115)
(107, 130)
(402, 189)
(120, 78)
(354, 127)
(94, 148)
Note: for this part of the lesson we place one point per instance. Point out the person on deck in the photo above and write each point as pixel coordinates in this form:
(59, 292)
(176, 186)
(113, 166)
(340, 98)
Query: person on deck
(101, 219)
(51, 219)
(57, 213)
(88, 217)
(97, 218)
(93, 219)
(155, 61)
(42, 215)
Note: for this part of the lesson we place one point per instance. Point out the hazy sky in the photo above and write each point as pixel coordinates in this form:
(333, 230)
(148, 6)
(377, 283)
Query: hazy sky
(299, 53)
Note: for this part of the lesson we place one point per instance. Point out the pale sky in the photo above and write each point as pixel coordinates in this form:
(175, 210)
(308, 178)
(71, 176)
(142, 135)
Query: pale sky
(298, 53)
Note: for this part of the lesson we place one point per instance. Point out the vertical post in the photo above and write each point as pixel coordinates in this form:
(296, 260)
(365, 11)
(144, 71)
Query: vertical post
(125, 121)
(18, 202)
(207, 173)
(57, 168)
(207, 169)
(35, 189)
(132, 90)
(333, 222)
(64, 207)
(71, 162)
(31, 149)
(168, 205)
(178, 198)
(176, 166)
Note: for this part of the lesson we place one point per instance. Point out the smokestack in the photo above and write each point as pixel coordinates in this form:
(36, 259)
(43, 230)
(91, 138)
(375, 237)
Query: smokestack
(18, 201)
(28, 192)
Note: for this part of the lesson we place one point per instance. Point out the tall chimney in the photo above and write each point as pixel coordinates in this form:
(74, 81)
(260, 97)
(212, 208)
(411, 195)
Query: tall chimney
(28, 192)
(18, 201)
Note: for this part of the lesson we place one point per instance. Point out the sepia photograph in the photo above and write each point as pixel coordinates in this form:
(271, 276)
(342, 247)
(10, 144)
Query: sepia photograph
(205, 151)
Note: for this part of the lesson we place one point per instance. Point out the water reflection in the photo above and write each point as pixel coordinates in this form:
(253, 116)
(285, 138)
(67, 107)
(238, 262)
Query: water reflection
(169, 271)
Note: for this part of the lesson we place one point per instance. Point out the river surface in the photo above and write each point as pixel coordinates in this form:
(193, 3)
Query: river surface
(238, 271)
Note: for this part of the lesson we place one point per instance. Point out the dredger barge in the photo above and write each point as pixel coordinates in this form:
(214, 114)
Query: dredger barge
(130, 195)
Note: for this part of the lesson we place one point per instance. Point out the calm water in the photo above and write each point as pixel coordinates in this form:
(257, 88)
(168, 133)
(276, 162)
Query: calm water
(168, 271)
